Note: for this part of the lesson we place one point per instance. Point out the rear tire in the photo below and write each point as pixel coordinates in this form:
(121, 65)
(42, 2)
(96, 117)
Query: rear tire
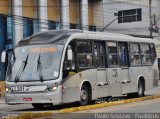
(84, 95)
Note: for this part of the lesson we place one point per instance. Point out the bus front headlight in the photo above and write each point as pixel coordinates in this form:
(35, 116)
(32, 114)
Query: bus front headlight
(53, 88)
(8, 90)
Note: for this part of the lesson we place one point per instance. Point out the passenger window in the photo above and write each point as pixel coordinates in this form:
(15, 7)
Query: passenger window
(146, 54)
(112, 54)
(135, 54)
(99, 53)
(123, 53)
(84, 54)
(153, 52)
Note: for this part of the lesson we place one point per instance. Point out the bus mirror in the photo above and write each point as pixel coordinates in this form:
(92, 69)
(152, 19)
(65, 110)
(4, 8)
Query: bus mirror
(69, 54)
(3, 56)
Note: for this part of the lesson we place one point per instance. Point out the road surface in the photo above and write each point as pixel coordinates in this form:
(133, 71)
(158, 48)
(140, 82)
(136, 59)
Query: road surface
(130, 109)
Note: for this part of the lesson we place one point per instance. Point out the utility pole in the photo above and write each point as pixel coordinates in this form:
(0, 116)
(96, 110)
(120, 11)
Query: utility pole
(150, 16)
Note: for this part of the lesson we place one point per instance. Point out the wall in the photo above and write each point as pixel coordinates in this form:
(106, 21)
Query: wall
(74, 16)
(135, 28)
(53, 10)
(5, 6)
(29, 8)
(98, 14)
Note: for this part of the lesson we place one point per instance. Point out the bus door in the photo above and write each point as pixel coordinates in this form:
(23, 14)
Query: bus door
(99, 53)
(124, 60)
(114, 70)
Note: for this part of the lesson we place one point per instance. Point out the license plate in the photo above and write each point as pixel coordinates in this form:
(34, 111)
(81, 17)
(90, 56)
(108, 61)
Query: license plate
(28, 88)
(27, 99)
(19, 89)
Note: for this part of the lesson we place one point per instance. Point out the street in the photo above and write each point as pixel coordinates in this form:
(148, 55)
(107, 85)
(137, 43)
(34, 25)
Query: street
(148, 106)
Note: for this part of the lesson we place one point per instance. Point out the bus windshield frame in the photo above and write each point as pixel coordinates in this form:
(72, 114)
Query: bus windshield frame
(35, 63)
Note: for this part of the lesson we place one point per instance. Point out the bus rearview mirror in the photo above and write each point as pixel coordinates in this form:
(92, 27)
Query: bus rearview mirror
(69, 54)
(3, 57)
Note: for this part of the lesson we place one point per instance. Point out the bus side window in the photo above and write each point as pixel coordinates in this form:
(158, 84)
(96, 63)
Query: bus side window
(153, 52)
(99, 53)
(146, 54)
(84, 54)
(112, 54)
(123, 53)
(135, 59)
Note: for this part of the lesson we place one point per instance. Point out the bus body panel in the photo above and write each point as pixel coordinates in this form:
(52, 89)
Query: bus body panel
(72, 85)
(103, 87)
(114, 78)
(126, 87)
(141, 72)
(155, 73)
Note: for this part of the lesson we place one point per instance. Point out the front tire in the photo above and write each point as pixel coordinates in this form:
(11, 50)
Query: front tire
(84, 96)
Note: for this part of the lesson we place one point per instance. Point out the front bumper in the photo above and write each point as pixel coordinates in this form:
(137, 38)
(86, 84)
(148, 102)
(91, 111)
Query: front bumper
(47, 97)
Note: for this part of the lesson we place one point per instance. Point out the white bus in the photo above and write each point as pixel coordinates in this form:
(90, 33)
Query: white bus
(56, 67)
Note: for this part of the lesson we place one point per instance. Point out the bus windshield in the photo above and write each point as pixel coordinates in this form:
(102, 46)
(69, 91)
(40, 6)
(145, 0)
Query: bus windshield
(36, 63)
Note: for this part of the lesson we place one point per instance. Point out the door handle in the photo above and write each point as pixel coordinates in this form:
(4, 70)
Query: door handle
(102, 84)
(125, 81)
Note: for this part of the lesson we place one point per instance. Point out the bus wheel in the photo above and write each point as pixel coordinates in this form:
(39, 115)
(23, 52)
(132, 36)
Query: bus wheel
(140, 92)
(38, 105)
(141, 88)
(84, 95)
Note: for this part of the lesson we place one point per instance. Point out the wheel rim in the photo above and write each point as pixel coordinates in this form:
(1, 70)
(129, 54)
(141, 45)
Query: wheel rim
(84, 95)
(140, 90)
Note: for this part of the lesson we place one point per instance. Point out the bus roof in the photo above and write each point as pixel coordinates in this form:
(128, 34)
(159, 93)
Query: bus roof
(61, 36)
(48, 37)
(117, 37)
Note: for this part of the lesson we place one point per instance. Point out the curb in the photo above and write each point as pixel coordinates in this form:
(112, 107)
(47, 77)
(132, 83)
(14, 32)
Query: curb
(106, 104)
(31, 115)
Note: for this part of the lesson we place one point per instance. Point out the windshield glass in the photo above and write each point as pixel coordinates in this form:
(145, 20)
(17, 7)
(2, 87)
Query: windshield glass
(36, 63)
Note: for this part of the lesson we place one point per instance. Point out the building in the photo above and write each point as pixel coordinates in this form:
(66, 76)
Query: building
(22, 18)
(133, 16)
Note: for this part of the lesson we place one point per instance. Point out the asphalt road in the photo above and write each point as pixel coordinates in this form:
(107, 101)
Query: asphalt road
(147, 106)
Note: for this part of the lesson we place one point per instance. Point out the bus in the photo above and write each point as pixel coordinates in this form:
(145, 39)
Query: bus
(64, 66)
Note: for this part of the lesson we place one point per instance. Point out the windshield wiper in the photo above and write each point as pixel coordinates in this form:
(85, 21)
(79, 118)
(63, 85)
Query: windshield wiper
(39, 68)
(23, 66)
